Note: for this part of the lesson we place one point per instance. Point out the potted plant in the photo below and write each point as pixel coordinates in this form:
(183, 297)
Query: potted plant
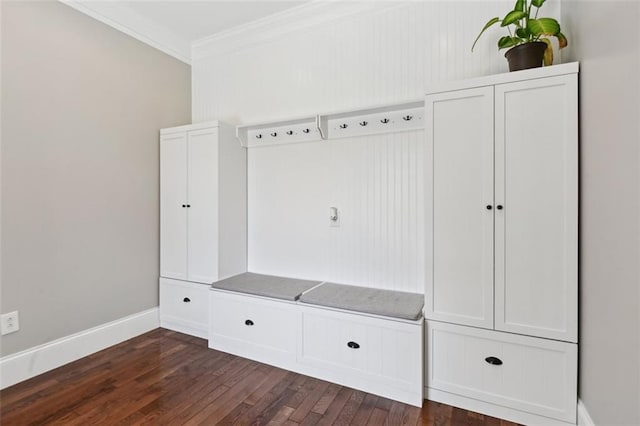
(528, 36)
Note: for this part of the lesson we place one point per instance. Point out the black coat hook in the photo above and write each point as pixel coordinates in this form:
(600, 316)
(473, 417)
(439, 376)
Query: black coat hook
(274, 134)
(289, 132)
(407, 117)
(384, 120)
(305, 131)
(344, 126)
(364, 123)
(259, 136)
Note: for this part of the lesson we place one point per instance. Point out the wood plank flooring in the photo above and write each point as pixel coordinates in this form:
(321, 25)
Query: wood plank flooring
(168, 378)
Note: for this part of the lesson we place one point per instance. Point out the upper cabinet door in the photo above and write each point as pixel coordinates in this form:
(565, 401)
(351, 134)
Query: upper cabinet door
(173, 213)
(537, 228)
(203, 205)
(459, 223)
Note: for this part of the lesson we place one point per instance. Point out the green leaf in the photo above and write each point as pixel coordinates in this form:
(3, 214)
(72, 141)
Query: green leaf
(486, 26)
(548, 53)
(537, 3)
(562, 41)
(520, 5)
(512, 17)
(544, 26)
(523, 33)
(508, 41)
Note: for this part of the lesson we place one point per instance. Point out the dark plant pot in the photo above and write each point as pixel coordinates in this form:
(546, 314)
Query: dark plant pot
(525, 56)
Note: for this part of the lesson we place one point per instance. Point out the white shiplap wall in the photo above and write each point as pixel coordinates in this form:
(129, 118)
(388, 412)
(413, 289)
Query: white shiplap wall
(369, 54)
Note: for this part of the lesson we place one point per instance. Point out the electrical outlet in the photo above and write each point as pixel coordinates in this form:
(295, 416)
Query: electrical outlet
(9, 323)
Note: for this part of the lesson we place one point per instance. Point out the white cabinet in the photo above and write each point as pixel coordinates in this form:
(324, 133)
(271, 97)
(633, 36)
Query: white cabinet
(184, 307)
(374, 354)
(253, 327)
(503, 227)
(503, 222)
(202, 203)
(203, 234)
(533, 375)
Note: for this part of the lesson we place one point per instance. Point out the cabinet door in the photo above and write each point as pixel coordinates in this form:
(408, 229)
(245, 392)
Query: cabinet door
(203, 201)
(459, 262)
(173, 216)
(536, 231)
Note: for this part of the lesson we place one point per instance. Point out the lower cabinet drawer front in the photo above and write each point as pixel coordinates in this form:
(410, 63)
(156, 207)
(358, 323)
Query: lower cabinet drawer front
(184, 302)
(524, 373)
(364, 349)
(253, 327)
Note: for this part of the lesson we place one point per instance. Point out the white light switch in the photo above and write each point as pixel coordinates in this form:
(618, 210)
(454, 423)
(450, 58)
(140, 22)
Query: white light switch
(334, 219)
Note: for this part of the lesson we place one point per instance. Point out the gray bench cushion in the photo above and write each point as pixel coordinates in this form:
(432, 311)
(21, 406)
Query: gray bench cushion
(368, 300)
(266, 285)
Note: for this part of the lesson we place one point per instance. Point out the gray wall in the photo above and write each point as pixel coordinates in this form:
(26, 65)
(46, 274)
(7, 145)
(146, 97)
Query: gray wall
(81, 107)
(604, 37)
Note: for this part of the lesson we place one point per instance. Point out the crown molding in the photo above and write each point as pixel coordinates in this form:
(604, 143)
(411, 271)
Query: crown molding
(272, 27)
(136, 26)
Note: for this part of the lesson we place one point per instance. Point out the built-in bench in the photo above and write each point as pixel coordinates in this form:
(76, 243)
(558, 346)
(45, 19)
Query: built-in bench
(365, 338)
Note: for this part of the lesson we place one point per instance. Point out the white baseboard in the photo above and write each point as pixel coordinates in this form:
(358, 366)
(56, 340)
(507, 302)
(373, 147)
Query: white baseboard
(29, 363)
(584, 419)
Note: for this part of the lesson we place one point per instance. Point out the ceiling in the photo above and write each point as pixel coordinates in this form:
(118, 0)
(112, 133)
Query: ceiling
(173, 25)
(193, 20)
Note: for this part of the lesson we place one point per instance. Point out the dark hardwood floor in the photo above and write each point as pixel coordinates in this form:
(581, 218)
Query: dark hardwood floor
(168, 378)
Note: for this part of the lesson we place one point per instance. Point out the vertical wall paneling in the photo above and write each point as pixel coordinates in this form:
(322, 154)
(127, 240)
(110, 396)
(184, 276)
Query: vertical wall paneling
(387, 52)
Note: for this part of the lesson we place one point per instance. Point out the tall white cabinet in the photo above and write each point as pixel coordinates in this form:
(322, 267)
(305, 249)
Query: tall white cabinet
(501, 290)
(203, 236)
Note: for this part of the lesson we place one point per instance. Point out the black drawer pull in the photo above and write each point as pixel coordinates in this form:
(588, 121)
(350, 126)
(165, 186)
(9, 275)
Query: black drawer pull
(248, 322)
(186, 300)
(493, 360)
(353, 345)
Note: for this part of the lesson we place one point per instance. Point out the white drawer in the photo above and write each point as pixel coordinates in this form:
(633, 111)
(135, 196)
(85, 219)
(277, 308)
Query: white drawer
(253, 327)
(369, 353)
(524, 373)
(184, 306)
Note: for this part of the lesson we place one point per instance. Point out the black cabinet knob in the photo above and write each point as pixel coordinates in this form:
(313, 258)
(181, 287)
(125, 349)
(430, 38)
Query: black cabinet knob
(499, 207)
(493, 360)
(184, 205)
(248, 322)
(489, 207)
(188, 205)
(353, 345)
(186, 300)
